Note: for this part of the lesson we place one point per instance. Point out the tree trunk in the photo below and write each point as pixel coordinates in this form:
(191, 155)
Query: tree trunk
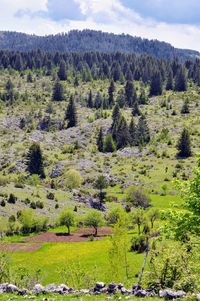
(68, 230)
(142, 270)
(95, 231)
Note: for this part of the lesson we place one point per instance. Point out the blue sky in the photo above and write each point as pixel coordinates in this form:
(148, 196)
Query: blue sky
(173, 21)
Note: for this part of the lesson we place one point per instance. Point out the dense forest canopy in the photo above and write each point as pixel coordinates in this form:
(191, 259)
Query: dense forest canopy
(117, 66)
(91, 40)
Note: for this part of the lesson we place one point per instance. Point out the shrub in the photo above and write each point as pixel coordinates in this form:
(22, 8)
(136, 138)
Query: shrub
(12, 199)
(137, 197)
(12, 219)
(3, 203)
(39, 204)
(33, 205)
(73, 178)
(50, 196)
(3, 181)
(139, 244)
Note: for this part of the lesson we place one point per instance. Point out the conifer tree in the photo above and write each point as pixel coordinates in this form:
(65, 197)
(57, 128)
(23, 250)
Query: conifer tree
(122, 134)
(90, 100)
(111, 90)
(62, 72)
(130, 93)
(156, 84)
(58, 92)
(169, 85)
(143, 98)
(136, 110)
(185, 107)
(132, 132)
(181, 80)
(116, 114)
(71, 114)
(109, 145)
(143, 134)
(98, 102)
(184, 144)
(100, 140)
(35, 160)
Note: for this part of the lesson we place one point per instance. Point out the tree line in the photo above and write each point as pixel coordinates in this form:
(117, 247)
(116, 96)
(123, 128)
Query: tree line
(88, 66)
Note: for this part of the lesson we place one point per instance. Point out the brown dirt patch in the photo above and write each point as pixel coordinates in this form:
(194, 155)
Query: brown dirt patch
(19, 247)
(91, 231)
(76, 236)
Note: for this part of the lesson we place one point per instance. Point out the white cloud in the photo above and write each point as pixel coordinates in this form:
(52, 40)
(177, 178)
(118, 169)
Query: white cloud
(105, 15)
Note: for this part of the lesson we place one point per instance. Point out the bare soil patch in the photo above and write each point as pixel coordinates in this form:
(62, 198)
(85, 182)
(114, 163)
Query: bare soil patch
(19, 247)
(76, 236)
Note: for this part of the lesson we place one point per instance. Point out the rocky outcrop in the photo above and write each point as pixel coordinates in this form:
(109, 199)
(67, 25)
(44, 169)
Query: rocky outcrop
(99, 288)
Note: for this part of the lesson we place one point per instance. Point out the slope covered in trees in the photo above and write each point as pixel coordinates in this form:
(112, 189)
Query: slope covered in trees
(91, 40)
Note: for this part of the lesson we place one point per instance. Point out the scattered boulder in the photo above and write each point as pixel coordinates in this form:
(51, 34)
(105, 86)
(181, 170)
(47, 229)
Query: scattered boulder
(11, 288)
(38, 288)
(169, 294)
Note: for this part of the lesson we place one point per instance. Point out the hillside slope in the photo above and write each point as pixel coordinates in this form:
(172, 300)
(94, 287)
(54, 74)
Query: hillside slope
(91, 40)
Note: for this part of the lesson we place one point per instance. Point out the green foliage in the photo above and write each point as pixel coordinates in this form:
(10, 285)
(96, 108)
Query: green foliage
(139, 243)
(58, 92)
(184, 144)
(101, 184)
(109, 145)
(94, 219)
(167, 269)
(35, 161)
(156, 84)
(185, 223)
(137, 197)
(12, 199)
(137, 217)
(100, 140)
(75, 274)
(71, 114)
(114, 215)
(118, 251)
(180, 80)
(153, 215)
(67, 218)
(62, 72)
(72, 178)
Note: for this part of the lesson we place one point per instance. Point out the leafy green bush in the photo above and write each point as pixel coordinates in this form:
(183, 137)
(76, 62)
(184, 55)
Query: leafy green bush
(139, 244)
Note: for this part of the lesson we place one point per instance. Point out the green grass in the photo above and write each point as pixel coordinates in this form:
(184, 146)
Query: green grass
(52, 257)
(164, 201)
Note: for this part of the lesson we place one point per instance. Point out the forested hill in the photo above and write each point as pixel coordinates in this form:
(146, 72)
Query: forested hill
(90, 40)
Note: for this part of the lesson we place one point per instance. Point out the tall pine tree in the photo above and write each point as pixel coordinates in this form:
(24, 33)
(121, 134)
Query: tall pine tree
(143, 134)
(184, 144)
(71, 114)
(58, 92)
(156, 84)
(169, 85)
(35, 160)
(62, 72)
(100, 140)
(132, 132)
(181, 80)
(111, 90)
(130, 92)
(122, 134)
(90, 100)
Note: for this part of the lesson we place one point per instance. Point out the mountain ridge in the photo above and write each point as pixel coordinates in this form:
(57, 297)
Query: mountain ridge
(91, 40)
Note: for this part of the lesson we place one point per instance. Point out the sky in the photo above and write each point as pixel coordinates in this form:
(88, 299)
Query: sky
(173, 21)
